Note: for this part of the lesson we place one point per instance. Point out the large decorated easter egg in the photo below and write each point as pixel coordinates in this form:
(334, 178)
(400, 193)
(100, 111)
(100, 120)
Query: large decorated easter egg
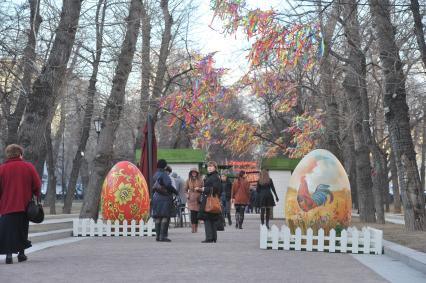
(318, 194)
(125, 194)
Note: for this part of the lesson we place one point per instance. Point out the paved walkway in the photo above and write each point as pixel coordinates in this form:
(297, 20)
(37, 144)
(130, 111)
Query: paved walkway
(236, 257)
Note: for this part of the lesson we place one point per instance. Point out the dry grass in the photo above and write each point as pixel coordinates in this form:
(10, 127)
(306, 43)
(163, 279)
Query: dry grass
(397, 233)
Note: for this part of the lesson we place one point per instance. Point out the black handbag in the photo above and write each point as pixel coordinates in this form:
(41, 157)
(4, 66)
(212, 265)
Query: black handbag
(35, 212)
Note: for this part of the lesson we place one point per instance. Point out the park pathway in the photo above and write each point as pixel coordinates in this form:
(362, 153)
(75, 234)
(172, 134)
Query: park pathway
(236, 257)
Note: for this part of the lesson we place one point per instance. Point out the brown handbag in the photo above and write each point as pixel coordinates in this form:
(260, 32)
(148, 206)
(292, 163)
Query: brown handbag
(213, 204)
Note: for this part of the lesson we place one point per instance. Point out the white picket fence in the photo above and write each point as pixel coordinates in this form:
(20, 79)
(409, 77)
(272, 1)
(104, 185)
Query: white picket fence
(366, 241)
(102, 228)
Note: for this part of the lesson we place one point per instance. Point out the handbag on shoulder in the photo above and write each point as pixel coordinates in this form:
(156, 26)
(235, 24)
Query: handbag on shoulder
(159, 189)
(35, 212)
(213, 204)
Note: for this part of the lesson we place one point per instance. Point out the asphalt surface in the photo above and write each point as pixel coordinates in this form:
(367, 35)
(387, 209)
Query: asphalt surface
(236, 257)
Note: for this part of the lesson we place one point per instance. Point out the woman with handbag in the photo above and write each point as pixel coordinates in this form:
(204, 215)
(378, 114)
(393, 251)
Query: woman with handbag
(193, 188)
(162, 201)
(210, 209)
(19, 181)
(265, 200)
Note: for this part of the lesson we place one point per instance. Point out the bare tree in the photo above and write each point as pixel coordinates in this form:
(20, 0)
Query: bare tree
(112, 113)
(42, 102)
(28, 61)
(88, 113)
(397, 118)
(356, 94)
(326, 71)
(52, 149)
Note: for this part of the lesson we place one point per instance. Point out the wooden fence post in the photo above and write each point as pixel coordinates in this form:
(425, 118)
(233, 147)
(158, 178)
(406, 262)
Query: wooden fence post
(286, 237)
(321, 240)
(355, 242)
(275, 236)
(332, 241)
(343, 241)
(108, 228)
(263, 237)
(298, 244)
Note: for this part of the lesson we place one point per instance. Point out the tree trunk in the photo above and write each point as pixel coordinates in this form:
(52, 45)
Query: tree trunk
(145, 74)
(28, 59)
(41, 103)
(379, 183)
(353, 88)
(395, 184)
(418, 29)
(332, 130)
(385, 179)
(164, 54)
(422, 167)
(52, 157)
(88, 113)
(164, 50)
(349, 158)
(112, 113)
(397, 118)
(51, 183)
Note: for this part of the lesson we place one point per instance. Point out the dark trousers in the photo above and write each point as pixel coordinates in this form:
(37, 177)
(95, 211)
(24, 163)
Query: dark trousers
(239, 215)
(226, 210)
(211, 230)
(262, 215)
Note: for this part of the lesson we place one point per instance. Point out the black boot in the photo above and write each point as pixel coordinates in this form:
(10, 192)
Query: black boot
(22, 257)
(9, 259)
(229, 219)
(241, 220)
(164, 231)
(157, 230)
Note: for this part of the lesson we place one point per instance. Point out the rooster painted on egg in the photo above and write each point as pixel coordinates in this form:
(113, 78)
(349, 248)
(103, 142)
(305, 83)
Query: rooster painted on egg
(125, 194)
(319, 194)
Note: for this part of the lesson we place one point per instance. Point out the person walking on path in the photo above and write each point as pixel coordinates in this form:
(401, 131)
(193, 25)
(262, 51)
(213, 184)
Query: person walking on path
(240, 197)
(193, 188)
(265, 200)
(226, 198)
(162, 201)
(212, 186)
(19, 181)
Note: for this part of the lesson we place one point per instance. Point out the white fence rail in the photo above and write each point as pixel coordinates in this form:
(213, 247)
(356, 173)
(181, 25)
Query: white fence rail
(366, 241)
(102, 228)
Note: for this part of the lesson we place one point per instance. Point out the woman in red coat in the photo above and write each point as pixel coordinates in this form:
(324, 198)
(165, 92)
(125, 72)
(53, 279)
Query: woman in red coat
(18, 182)
(240, 196)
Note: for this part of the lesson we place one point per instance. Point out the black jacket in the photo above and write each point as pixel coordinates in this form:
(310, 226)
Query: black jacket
(212, 184)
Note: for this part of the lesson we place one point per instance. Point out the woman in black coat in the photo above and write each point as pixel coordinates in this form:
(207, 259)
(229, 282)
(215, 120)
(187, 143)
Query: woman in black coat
(212, 185)
(264, 199)
(162, 201)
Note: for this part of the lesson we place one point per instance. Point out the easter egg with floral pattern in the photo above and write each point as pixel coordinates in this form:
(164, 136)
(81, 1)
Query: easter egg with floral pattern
(125, 194)
(319, 194)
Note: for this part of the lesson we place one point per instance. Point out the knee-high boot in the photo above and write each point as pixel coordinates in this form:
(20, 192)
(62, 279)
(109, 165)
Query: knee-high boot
(241, 219)
(157, 229)
(164, 230)
(229, 218)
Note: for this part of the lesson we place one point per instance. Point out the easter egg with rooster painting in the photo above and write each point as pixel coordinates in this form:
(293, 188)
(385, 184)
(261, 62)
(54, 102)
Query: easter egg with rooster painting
(318, 194)
(125, 194)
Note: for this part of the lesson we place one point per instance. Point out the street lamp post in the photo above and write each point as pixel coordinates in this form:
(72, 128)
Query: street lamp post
(98, 126)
